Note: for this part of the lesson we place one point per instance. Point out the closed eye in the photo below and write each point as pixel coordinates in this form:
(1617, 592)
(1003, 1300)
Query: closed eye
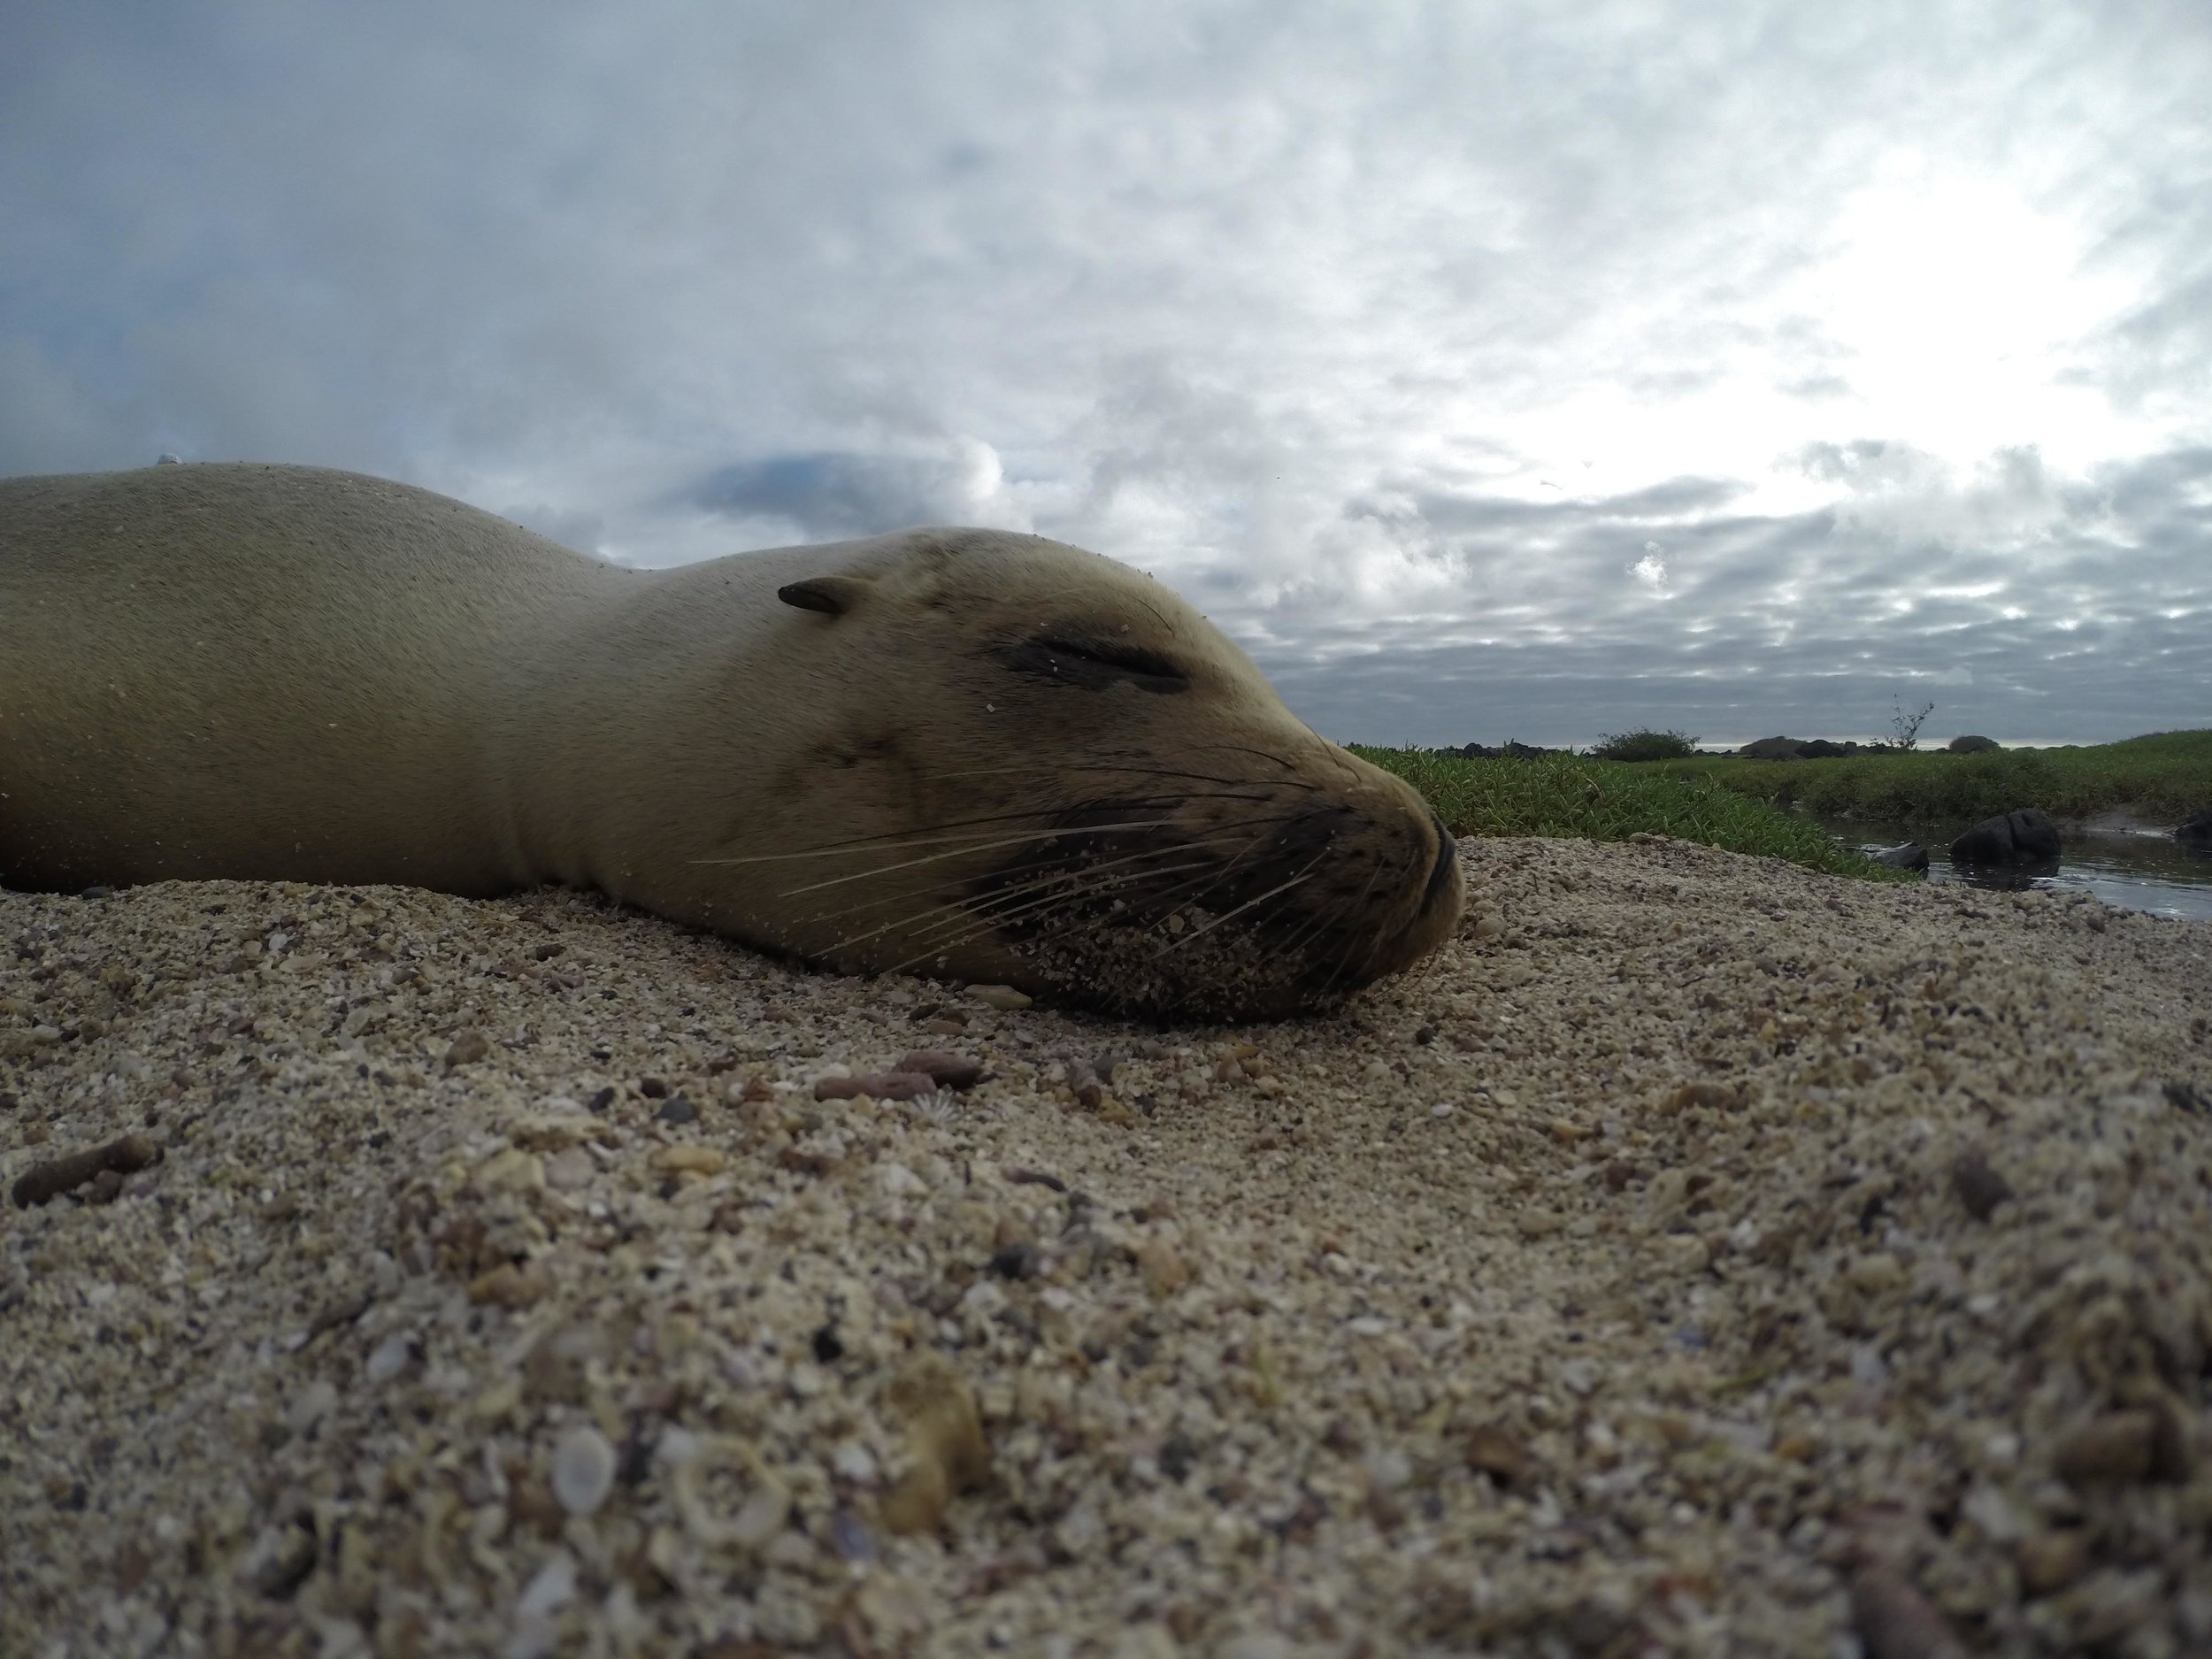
(1093, 664)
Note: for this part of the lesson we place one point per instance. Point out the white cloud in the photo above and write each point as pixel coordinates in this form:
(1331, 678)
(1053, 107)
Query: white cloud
(1383, 325)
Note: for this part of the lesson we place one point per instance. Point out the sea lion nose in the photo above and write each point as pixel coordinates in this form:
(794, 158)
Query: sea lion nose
(1440, 871)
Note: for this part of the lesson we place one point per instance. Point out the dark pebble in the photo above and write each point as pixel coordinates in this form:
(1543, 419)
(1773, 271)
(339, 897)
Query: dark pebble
(854, 1540)
(1980, 1188)
(1177, 1457)
(876, 1086)
(677, 1109)
(947, 1070)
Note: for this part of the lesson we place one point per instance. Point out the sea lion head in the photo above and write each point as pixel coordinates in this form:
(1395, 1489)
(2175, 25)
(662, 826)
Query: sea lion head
(1051, 772)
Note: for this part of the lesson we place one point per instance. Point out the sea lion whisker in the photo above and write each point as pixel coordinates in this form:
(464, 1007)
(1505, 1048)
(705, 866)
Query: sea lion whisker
(950, 934)
(1230, 916)
(1196, 891)
(962, 851)
(1316, 923)
(989, 908)
(876, 901)
(1065, 887)
(1347, 955)
(1047, 895)
(897, 844)
(1069, 888)
(889, 843)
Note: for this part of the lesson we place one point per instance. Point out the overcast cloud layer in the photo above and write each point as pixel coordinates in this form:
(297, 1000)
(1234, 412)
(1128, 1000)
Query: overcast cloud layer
(1489, 370)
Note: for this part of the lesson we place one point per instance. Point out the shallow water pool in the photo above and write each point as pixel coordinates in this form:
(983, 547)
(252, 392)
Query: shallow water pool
(2130, 870)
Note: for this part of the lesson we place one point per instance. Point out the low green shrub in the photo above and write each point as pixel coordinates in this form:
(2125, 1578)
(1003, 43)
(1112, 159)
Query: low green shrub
(1600, 800)
(2164, 775)
(1643, 744)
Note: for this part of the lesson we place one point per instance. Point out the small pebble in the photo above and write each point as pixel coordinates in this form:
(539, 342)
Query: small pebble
(2050, 1561)
(677, 1109)
(53, 1177)
(947, 1070)
(1501, 1454)
(1000, 996)
(1980, 1188)
(877, 1086)
(551, 1588)
(1896, 1621)
(311, 1406)
(849, 1532)
(569, 1169)
(691, 1160)
(2141, 1444)
(762, 1516)
(389, 1358)
(467, 1047)
(583, 1469)
(1164, 1271)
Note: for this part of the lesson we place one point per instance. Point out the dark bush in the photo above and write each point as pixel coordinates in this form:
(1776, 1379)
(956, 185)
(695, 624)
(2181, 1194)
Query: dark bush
(1644, 745)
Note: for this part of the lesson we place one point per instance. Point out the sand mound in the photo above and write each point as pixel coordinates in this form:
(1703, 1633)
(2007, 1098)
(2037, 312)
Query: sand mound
(1703, 1257)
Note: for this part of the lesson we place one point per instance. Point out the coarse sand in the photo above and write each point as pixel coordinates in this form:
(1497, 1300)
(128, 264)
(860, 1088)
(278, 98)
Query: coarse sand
(1700, 1256)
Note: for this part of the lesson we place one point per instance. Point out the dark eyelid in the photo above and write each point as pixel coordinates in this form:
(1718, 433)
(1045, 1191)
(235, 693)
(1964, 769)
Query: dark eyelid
(1092, 664)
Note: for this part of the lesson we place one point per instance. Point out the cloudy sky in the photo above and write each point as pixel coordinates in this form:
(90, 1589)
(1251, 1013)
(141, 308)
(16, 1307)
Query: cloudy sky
(1487, 370)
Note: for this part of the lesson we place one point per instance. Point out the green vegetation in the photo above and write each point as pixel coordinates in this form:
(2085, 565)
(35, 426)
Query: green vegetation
(1743, 805)
(1600, 800)
(2162, 777)
(1643, 744)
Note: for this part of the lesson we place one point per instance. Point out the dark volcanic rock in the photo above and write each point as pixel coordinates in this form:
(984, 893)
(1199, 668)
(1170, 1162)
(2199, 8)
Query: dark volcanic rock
(1771, 748)
(2027, 836)
(2196, 831)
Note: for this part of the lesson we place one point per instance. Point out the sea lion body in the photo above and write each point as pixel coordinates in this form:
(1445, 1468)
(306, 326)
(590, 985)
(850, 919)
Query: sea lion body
(962, 752)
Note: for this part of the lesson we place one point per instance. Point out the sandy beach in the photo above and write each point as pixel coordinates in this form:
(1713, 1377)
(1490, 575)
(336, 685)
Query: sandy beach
(1699, 1256)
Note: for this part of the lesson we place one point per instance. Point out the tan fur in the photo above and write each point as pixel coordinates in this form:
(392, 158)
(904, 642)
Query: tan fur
(285, 672)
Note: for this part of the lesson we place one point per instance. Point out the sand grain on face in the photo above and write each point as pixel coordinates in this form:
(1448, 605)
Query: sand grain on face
(1701, 1256)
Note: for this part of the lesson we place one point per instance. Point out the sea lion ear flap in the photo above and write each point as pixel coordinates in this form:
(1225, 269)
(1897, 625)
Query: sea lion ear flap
(832, 596)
